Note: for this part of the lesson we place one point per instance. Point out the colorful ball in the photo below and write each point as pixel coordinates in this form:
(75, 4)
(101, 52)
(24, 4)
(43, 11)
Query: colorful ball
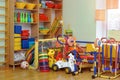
(24, 65)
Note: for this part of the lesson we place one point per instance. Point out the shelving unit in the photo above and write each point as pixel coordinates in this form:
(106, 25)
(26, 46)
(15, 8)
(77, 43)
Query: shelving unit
(34, 26)
(51, 13)
(4, 33)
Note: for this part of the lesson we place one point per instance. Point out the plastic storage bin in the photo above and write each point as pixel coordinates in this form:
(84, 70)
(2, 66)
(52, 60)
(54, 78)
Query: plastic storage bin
(17, 29)
(25, 44)
(31, 42)
(25, 34)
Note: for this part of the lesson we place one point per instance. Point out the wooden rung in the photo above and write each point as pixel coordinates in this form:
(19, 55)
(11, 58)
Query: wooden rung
(2, 38)
(2, 0)
(2, 22)
(2, 15)
(2, 62)
(2, 30)
(2, 46)
(2, 54)
(2, 6)
(25, 23)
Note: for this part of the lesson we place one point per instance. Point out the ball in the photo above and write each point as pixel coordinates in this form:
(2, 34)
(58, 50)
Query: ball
(24, 64)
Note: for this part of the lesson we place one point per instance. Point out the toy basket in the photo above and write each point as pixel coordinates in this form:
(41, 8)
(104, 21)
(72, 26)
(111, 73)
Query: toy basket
(44, 31)
(30, 6)
(20, 5)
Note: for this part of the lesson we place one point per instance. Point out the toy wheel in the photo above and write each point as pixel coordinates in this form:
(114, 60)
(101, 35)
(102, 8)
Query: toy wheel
(67, 70)
(93, 77)
(55, 67)
(81, 71)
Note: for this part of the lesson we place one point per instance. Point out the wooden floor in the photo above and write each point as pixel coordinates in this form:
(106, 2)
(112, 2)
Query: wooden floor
(20, 74)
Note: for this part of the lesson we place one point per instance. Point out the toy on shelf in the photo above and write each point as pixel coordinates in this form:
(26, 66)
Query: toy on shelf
(24, 17)
(50, 4)
(44, 30)
(30, 6)
(20, 5)
(43, 17)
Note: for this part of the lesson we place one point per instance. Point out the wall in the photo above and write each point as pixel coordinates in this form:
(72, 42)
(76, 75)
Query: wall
(80, 15)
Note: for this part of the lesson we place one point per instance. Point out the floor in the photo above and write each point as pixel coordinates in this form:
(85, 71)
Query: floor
(20, 74)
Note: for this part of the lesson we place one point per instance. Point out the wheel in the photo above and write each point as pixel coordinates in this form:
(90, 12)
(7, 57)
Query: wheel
(67, 70)
(75, 73)
(81, 71)
(55, 67)
(93, 77)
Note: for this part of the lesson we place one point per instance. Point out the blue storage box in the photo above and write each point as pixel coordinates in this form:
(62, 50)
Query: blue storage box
(31, 39)
(25, 44)
(17, 29)
(31, 42)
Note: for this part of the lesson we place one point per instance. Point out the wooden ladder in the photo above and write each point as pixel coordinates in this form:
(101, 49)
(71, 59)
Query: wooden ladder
(4, 34)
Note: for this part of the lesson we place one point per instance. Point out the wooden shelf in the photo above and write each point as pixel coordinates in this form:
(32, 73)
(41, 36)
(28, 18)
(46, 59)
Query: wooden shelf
(44, 21)
(43, 34)
(21, 50)
(26, 9)
(25, 23)
(17, 63)
(51, 8)
(45, 8)
(57, 0)
(58, 9)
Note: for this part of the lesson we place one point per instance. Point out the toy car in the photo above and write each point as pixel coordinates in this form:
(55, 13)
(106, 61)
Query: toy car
(69, 64)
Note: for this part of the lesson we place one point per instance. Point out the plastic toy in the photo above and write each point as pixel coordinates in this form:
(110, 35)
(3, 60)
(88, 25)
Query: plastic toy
(51, 53)
(69, 64)
(89, 56)
(54, 55)
(18, 17)
(43, 62)
(24, 64)
(30, 55)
